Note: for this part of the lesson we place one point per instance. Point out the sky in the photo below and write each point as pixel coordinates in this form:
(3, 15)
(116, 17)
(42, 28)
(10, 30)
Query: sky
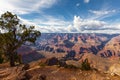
(67, 16)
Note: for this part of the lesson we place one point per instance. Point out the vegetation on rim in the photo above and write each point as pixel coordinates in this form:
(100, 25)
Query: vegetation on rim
(14, 35)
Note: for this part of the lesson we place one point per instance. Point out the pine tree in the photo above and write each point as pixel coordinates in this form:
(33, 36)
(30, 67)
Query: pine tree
(14, 35)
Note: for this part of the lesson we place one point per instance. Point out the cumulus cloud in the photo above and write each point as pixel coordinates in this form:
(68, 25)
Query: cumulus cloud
(86, 1)
(115, 26)
(87, 24)
(24, 6)
(80, 25)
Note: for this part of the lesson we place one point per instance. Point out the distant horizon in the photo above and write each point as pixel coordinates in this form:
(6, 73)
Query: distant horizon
(78, 33)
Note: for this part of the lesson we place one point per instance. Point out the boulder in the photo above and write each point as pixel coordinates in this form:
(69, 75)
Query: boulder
(114, 69)
(74, 63)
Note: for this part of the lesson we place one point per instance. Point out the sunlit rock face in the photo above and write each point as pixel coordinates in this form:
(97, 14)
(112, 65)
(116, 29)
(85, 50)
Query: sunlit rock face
(72, 46)
(111, 48)
(114, 69)
(79, 43)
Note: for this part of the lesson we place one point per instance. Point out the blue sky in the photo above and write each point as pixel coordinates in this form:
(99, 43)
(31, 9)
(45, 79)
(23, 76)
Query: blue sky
(68, 16)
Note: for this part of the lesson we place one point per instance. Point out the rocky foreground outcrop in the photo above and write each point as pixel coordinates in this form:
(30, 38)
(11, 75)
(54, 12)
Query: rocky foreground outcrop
(61, 69)
(96, 62)
(13, 73)
(114, 69)
(54, 72)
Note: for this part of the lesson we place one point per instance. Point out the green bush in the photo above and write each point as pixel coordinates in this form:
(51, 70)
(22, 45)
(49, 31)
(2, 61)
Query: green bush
(85, 65)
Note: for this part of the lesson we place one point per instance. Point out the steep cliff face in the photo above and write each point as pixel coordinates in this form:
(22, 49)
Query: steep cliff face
(80, 43)
(112, 48)
(29, 54)
(72, 46)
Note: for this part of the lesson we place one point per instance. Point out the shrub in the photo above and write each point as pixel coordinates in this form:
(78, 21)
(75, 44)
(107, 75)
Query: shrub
(85, 65)
(62, 63)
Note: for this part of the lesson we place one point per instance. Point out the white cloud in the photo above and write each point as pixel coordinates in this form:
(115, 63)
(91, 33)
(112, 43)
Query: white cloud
(25, 6)
(102, 12)
(49, 25)
(51, 21)
(71, 29)
(92, 26)
(78, 4)
(86, 1)
(52, 24)
(79, 25)
(87, 24)
(115, 26)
